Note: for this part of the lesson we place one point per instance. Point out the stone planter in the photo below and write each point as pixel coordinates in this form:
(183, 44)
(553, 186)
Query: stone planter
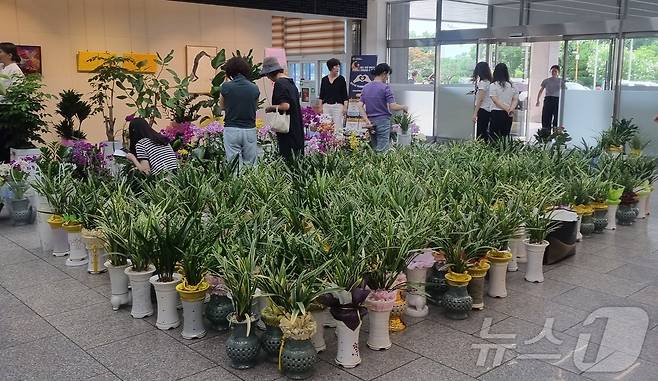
(456, 300)
(167, 297)
(395, 323)
(217, 311)
(404, 139)
(242, 345)
(625, 215)
(141, 291)
(415, 296)
(96, 250)
(437, 286)
(612, 215)
(347, 352)
(535, 270)
(498, 272)
(271, 339)
(642, 204)
(587, 224)
(600, 218)
(298, 359)
(192, 299)
(60, 239)
(77, 251)
(318, 337)
(476, 285)
(119, 284)
(21, 212)
(379, 313)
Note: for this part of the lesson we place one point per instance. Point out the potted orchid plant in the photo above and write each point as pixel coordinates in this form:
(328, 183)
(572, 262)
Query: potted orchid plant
(405, 124)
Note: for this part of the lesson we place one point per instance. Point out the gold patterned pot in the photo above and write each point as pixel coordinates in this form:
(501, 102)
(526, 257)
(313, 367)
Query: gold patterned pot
(395, 323)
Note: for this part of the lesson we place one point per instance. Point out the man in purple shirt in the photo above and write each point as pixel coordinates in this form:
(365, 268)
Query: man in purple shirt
(379, 103)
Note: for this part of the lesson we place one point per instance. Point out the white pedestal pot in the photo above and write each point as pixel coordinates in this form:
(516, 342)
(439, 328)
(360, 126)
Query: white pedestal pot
(517, 247)
(515, 244)
(60, 239)
(141, 291)
(167, 297)
(192, 299)
(612, 216)
(642, 204)
(535, 270)
(77, 252)
(318, 337)
(379, 304)
(119, 284)
(44, 212)
(347, 352)
(579, 235)
(96, 250)
(416, 299)
(498, 273)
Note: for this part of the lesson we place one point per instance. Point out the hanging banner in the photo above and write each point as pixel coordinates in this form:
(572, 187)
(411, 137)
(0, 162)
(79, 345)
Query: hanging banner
(360, 68)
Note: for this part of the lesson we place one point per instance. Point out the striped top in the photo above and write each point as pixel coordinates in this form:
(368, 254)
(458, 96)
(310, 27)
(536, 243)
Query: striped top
(161, 158)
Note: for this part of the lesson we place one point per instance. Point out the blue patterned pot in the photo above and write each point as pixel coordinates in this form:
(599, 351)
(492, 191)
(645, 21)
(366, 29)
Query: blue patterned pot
(456, 301)
(21, 212)
(626, 215)
(217, 311)
(587, 225)
(271, 342)
(298, 359)
(600, 219)
(241, 349)
(436, 286)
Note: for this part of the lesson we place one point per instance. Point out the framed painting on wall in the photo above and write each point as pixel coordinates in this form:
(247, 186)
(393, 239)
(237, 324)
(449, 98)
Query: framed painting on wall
(30, 59)
(198, 62)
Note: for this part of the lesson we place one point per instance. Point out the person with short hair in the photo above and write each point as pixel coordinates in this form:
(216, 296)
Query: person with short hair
(379, 102)
(505, 99)
(150, 151)
(333, 93)
(285, 98)
(549, 114)
(239, 99)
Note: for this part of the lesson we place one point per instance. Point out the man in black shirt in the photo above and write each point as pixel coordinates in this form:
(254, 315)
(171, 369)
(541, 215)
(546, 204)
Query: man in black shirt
(333, 94)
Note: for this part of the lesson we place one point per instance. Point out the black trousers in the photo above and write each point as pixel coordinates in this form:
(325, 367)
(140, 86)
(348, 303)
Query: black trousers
(500, 125)
(549, 113)
(482, 130)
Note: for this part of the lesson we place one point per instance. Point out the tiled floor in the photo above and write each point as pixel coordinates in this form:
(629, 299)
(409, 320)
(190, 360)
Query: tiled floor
(56, 323)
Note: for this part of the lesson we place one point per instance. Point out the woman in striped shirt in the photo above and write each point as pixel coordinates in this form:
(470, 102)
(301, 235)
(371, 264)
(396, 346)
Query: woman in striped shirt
(149, 150)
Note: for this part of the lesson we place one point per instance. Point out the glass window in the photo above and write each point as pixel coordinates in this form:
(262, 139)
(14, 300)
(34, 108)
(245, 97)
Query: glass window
(295, 72)
(457, 63)
(562, 11)
(416, 19)
(309, 71)
(457, 15)
(588, 64)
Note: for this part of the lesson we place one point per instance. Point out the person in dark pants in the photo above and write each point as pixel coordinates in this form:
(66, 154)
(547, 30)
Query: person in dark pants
(285, 98)
(505, 99)
(483, 103)
(549, 114)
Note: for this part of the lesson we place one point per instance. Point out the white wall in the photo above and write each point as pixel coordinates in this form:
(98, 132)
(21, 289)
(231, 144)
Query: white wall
(63, 27)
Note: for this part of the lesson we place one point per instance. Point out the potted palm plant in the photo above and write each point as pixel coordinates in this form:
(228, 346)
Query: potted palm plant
(459, 256)
(538, 225)
(404, 122)
(140, 247)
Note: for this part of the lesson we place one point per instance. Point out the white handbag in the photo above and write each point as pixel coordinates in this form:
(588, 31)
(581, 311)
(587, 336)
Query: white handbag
(280, 123)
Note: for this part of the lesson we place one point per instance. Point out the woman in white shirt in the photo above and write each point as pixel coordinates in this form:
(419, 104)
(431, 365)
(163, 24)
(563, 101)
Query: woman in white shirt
(505, 98)
(10, 71)
(483, 103)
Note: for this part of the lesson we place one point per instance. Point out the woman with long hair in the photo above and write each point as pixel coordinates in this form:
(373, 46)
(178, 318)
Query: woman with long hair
(150, 151)
(505, 98)
(379, 102)
(482, 114)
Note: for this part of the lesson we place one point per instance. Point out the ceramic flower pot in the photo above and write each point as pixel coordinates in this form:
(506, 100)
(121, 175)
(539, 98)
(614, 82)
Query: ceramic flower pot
(404, 139)
(44, 211)
(271, 339)
(217, 311)
(20, 212)
(612, 216)
(476, 285)
(416, 300)
(242, 345)
(642, 204)
(600, 218)
(167, 297)
(517, 248)
(96, 250)
(456, 300)
(141, 291)
(318, 337)
(119, 284)
(379, 313)
(437, 285)
(579, 235)
(328, 320)
(77, 251)
(192, 299)
(60, 239)
(535, 270)
(498, 272)
(587, 224)
(625, 215)
(395, 323)
(298, 359)
(347, 352)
